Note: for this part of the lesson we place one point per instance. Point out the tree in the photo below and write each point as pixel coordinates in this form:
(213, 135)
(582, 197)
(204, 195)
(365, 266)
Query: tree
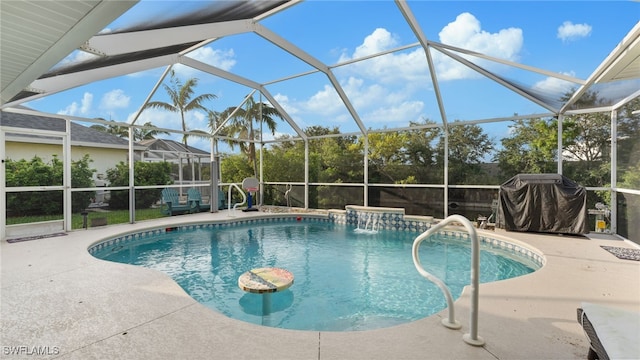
(148, 132)
(387, 157)
(113, 129)
(422, 153)
(628, 142)
(235, 168)
(145, 173)
(215, 123)
(38, 173)
(242, 125)
(468, 145)
(532, 148)
(182, 100)
(81, 177)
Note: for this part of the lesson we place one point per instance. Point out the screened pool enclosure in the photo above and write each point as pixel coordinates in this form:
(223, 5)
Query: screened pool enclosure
(403, 104)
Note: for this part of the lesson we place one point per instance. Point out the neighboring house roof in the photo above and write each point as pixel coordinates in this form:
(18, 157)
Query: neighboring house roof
(80, 135)
(165, 149)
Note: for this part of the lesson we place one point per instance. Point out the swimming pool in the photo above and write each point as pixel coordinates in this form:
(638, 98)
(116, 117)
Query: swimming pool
(344, 280)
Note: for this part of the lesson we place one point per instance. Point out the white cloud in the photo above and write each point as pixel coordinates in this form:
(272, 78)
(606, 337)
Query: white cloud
(87, 100)
(324, 102)
(379, 40)
(466, 32)
(551, 85)
(115, 99)
(410, 67)
(569, 31)
(377, 85)
(398, 113)
(159, 118)
(362, 96)
(374, 103)
(378, 104)
(403, 67)
(223, 59)
(71, 109)
(197, 120)
(76, 57)
(288, 106)
(74, 109)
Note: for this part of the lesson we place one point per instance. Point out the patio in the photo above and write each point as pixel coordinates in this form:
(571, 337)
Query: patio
(59, 300)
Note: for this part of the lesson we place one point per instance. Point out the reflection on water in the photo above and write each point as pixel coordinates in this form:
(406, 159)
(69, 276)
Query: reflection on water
(344, 280)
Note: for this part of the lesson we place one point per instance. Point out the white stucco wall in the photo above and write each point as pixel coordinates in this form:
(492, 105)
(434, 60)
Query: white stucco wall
(103, 158)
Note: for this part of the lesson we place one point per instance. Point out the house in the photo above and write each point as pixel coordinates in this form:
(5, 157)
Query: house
(106, 150)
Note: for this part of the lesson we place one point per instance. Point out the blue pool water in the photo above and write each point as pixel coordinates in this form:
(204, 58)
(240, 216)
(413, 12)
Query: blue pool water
(344, 280)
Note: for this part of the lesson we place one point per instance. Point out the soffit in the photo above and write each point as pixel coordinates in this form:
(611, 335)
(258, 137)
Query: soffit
(36, 35)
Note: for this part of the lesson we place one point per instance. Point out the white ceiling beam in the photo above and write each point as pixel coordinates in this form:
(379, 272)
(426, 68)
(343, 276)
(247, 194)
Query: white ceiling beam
(307, 58)
(204, 67)
(283, 112)
(199, 65)
(496, 78)
(94, 21)
(417, 31)
(509, 63)
(55, 84)
(603, 71)
(626, 54)
(127, 42)
(278, 9)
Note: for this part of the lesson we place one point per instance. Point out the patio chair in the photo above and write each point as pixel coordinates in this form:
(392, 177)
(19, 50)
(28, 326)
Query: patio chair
(611, 331)
(222, 200)
(171, 203)
(194, 195)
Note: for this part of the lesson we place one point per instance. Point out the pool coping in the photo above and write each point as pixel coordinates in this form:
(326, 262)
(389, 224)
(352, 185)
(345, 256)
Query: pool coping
(506, 244)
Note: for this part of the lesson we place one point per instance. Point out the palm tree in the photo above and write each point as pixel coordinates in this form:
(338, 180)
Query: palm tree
(123, 131)
(147, 133)
(119, 131)
(242, 125)
(214, 123)
(181, 99)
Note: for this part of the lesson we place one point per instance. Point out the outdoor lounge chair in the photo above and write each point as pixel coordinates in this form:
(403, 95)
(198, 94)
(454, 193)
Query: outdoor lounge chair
(194, 195)
(171, 203)
(611, 332)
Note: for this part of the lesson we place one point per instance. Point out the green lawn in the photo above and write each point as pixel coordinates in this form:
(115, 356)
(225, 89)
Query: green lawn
(113, 217)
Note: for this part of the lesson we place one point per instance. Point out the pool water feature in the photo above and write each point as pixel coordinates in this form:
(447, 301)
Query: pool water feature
(345, 280)
(368, 222)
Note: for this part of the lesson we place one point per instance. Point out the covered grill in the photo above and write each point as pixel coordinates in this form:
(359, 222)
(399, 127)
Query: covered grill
(543, 203)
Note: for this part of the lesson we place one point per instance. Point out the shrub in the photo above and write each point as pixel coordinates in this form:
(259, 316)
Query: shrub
(81, 177)
(145, 173)
(38, 173)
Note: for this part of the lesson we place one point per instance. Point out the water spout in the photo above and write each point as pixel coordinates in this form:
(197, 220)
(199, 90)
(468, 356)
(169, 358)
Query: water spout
(368, 222)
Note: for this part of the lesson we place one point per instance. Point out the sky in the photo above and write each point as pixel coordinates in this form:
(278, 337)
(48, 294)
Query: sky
(565, 37)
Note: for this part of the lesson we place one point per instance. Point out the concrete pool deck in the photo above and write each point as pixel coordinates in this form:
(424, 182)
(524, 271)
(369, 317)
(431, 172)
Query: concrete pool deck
(60, 302)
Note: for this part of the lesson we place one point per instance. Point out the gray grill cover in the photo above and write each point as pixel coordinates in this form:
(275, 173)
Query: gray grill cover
(543, 203)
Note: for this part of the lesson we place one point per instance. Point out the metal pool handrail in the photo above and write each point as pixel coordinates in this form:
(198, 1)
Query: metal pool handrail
(472, 337)
(244, 199)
